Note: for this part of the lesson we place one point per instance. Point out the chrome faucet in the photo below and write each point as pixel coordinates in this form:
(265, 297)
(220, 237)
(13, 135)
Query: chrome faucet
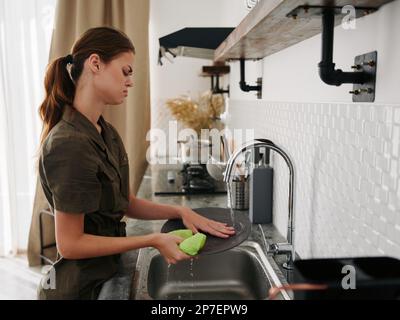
(286, 248)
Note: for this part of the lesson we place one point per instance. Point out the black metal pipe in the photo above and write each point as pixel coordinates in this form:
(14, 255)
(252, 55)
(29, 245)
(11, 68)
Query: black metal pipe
(243, 85)
(327, 71)
(328, 25)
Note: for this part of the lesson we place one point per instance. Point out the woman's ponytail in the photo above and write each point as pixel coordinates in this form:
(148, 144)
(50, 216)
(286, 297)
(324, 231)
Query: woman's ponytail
(60, 90)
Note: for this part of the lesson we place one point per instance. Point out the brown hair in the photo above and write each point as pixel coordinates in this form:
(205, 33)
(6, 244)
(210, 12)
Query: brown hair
(59, 84)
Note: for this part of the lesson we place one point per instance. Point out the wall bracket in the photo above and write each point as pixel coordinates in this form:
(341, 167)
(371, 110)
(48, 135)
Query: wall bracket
(366, 63)
(244, 86)
(215, 86)
(215, 72)
(364, 76)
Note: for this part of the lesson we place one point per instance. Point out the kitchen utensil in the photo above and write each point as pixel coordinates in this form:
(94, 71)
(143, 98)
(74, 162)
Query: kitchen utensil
(225, 146)
(216, 169)
(194, 150)
(240, 194)
(216, 244)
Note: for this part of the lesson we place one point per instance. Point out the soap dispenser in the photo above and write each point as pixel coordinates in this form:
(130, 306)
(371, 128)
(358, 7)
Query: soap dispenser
(261, 187)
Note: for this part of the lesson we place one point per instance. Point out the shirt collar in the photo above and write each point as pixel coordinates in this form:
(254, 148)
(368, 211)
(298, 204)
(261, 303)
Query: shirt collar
(83, 124)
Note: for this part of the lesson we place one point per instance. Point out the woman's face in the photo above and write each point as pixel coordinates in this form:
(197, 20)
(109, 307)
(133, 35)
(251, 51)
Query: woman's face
(114, 79)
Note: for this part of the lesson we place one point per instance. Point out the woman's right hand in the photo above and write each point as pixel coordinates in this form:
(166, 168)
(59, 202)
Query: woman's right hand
(167, 244)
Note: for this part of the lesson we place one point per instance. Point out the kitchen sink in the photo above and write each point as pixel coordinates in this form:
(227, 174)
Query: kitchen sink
(244, 272)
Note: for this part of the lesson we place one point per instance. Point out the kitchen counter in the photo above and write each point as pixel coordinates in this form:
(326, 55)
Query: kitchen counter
(120, 286)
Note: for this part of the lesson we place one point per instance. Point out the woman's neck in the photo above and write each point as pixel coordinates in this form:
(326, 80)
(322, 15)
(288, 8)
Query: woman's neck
(89, 105)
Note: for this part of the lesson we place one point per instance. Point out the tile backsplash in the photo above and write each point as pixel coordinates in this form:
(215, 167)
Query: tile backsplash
(347, 166)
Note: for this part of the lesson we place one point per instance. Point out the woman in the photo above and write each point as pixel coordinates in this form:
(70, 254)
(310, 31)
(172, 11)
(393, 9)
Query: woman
(84, 171)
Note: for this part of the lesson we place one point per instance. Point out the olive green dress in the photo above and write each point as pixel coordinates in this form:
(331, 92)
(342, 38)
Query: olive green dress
(83, 171)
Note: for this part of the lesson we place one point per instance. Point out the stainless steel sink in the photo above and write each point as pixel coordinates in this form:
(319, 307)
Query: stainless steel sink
(240, 273)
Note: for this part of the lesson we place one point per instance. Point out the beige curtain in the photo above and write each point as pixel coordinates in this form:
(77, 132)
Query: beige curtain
(132, 120)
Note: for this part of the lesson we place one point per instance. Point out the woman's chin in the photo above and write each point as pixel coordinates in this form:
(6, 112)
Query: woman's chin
(116, 102)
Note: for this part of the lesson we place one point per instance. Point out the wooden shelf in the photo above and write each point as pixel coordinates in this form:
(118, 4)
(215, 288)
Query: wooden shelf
(267, 29)
(208, 71)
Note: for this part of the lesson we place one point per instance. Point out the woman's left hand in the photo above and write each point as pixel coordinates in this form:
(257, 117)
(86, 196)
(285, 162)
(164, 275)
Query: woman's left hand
(196, 222)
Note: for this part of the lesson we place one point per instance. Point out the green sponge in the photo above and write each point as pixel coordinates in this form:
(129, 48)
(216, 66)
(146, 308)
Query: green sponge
(194, 244)
(183, 233)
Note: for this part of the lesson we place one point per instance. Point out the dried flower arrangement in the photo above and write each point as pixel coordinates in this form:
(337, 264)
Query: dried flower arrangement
(200, 114)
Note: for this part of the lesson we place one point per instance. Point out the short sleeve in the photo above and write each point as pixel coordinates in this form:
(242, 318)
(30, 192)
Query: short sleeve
(70, 170)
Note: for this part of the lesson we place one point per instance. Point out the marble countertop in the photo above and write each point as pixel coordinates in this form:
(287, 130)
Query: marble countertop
(120, 286)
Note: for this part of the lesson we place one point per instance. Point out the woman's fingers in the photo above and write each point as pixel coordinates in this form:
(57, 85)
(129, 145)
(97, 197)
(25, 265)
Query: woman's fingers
(196, 222)
(183, 256)
(194, 229)
(223, 229)
(191, 226)
(215, 228)
(168, 245)
(219, 223)
(217, 233)
(180, 256)
(177, 239)
(220, 231)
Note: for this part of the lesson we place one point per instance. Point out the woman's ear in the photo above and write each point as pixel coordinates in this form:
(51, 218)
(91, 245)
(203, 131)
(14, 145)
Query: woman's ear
(94, 62)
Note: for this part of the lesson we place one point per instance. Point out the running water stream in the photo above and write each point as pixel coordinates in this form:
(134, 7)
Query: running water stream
(191, 274)
(167, 279)
(192, 278)
(232, 213)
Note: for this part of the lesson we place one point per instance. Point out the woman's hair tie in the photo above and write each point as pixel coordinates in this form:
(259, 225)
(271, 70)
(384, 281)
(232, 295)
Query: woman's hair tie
(69, 59)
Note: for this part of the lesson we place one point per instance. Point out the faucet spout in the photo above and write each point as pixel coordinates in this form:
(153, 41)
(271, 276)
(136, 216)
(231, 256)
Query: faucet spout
(278, 248)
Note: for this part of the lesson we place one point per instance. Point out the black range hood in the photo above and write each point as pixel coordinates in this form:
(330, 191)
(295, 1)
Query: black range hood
(192, 42)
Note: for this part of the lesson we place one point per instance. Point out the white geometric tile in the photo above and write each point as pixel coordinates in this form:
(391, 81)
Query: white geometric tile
(347, 164)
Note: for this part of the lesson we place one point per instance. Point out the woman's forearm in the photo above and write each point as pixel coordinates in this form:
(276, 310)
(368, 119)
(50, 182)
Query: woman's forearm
(147, 210)
(88, 245)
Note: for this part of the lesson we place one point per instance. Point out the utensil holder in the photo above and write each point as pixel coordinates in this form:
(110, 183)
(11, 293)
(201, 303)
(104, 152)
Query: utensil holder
(240, 195)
